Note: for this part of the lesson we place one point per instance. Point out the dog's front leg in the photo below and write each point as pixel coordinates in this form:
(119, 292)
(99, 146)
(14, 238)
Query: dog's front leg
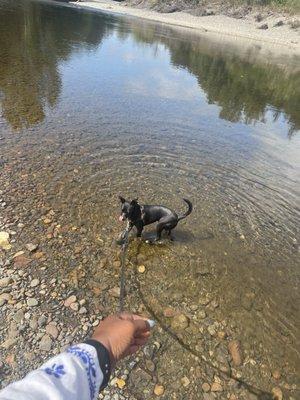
(139, 227)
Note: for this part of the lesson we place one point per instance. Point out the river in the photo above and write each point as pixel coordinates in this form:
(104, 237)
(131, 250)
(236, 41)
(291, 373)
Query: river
(94, 106)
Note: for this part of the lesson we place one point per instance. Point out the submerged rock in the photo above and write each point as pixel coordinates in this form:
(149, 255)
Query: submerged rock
(169, 312)
(21, 261)
(5, 282)
(159, 390)
(216, 387)
(234, 349)
(114, 292)
(4, 241)
(70, 300)
(277, 393)
(45, 343)
(205, 387)
(276, 374)
(185, 381)
(180, 322)
(32, 302)
(52, 330)
(31, 247)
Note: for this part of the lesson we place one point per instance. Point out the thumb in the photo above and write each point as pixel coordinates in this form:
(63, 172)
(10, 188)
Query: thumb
(141, 326)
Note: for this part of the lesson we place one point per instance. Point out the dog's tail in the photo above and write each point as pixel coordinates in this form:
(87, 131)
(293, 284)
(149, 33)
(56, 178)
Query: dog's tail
(190, 209)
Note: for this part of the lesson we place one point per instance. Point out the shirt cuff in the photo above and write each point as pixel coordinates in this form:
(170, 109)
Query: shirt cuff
(104, 360)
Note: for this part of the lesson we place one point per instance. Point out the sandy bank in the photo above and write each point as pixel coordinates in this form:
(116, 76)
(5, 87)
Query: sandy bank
(280, 39)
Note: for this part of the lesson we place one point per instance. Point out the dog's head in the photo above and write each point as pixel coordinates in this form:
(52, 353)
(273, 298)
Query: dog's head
(130, 210)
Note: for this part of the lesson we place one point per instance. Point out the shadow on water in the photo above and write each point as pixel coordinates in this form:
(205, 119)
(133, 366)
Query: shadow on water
(35, 38)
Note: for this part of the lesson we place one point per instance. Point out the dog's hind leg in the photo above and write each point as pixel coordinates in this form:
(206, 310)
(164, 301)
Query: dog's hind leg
(167, 223)
(159, 228)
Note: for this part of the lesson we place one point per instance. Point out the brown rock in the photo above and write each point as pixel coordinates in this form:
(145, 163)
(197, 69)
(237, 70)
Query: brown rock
(114, 292)
(276, 374)
(45, 343)
(31, 247)
(185, 381)
(277, 393)
(117, 264)
(103, 263)
(78, 249)
(150, 365)
(7, 344)
(205, 387)
(4, 240)
(74, 306)
(97, 291)
(21, 261)
(180, 322)
(169, 312)
(5, 281)
(234, 349)
(222, 335)
(5, 296)
(11, 360)
(52, 330)
(159, 390)
(39, 255)
(141, 269)
(70, 300)
(216, 387)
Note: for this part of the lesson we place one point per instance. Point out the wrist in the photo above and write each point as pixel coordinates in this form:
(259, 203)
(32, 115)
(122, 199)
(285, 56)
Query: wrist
(102, 339)
(104, 360)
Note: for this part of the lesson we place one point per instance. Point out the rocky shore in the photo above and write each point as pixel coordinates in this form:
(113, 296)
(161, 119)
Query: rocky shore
(42, 313)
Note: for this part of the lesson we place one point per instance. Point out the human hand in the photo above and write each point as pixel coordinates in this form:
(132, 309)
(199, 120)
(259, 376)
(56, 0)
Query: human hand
(122, 334)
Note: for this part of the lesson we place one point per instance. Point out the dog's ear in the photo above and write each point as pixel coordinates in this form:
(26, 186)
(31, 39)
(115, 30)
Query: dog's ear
(122, 200)
(134, 201)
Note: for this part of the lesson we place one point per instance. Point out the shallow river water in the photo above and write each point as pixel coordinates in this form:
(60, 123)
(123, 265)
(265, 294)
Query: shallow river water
(96, 105)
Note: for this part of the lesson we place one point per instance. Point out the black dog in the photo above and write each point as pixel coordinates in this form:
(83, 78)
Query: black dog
(140, 215)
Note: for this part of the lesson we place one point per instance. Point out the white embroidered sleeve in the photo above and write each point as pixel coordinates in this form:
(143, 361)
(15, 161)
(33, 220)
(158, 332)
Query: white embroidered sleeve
(74, 374)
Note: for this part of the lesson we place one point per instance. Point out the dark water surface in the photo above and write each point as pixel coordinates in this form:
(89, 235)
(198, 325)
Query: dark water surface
(94, 105)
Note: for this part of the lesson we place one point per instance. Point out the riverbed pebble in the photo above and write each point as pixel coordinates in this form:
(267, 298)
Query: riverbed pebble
(180, 322)
(31, 247)
(205, 387)
(185, 381)
(169, 312)
(35, 282)
(141, 269)
(159, 390)
(5, 282)
(276, 374)
(4, 241)
(32, 302)
(234, 348)
(70, 300)
(45, 343)
(216, 387)
(277, 393)
(52, 330)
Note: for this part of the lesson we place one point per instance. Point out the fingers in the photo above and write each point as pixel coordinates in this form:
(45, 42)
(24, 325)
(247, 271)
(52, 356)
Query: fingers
(140, 323)
(141, 326)
(140, 341)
